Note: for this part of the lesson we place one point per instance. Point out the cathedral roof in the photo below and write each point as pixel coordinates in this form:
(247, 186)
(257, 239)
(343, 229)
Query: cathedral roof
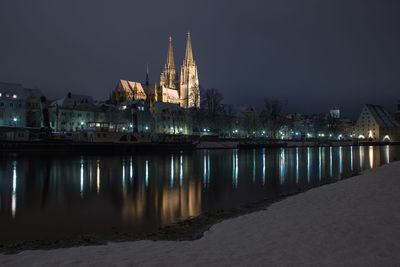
(131, 86)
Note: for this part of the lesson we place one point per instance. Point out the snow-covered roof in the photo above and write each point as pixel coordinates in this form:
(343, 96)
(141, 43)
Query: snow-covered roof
(72, 100)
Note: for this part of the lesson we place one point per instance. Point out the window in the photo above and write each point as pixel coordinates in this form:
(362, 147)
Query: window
(1, 104)
(11, 105)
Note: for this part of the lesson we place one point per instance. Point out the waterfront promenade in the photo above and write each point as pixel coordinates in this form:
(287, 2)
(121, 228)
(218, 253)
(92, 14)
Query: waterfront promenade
(353, 222)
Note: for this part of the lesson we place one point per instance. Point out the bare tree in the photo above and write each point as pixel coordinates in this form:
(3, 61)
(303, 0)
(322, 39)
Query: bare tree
(194, 98)
(272, 115)
(212, 99)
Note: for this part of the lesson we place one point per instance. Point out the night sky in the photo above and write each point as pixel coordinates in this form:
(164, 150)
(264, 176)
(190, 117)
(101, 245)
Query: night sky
(314, 54)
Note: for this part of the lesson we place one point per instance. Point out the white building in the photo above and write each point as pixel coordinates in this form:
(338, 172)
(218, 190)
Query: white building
(376, 124)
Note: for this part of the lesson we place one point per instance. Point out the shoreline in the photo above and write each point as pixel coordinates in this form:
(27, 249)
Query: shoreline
(354, 222)
(186, 230)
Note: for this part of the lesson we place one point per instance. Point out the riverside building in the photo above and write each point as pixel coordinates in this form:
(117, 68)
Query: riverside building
(376, 124)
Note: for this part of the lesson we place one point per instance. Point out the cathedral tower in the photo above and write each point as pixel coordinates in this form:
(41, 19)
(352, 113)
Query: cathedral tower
(169, 77)
(189, 92)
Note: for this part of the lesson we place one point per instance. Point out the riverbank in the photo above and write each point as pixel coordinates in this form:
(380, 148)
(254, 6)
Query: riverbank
(352, 222)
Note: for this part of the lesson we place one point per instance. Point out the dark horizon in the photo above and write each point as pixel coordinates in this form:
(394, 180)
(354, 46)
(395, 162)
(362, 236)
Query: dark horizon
(314, 55)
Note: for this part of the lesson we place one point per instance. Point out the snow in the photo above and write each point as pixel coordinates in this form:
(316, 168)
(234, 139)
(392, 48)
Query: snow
(353, 222)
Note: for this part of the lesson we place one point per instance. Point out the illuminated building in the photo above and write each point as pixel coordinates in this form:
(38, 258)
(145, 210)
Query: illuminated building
(335, 113)
(127, 91)
(376, 124)
(19, 107)
(183, 90)
(74, 112)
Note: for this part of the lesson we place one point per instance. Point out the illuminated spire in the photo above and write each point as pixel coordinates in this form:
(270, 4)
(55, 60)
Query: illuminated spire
(169, 77)
(189, 53)
(189, 93)
(170, 56)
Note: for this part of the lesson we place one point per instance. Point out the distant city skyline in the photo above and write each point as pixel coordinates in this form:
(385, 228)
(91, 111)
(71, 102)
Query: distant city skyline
(314, 55)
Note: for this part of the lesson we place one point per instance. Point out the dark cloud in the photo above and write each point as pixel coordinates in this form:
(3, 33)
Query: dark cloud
(314, 54)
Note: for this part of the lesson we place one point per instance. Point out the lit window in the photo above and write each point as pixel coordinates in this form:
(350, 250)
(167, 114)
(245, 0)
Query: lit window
(14, 96)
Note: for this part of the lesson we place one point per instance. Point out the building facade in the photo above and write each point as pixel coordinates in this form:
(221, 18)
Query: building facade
(376, 124)
(19, 107)
(74, 112)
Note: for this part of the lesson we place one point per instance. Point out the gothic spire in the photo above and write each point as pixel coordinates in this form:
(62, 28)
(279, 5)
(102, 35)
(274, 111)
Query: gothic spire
(189, 53)
(168, 76)
(170, 56)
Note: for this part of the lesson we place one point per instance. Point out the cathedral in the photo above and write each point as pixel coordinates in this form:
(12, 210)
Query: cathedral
(182, 90)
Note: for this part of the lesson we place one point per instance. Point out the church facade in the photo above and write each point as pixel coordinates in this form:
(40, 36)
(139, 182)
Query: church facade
(180, 89)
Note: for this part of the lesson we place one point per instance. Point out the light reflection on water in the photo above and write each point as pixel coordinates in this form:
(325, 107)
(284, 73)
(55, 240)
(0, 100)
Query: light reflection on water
(351, 159)
(341, 160)
(98, 176)
(81, 177)
(297, 165)
(14, 190)
(371, 156)
(361, 153)
(308, 164)
(263, 166)
(60, 191)
(319, 164)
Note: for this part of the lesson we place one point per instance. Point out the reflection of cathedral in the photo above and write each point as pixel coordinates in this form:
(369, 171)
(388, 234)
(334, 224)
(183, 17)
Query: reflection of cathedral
(183, 90)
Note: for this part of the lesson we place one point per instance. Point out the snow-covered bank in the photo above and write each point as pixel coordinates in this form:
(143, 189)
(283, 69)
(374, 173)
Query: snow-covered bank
(353, 222)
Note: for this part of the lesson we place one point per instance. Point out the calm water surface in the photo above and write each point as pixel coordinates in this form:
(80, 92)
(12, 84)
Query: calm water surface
(43, 197)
